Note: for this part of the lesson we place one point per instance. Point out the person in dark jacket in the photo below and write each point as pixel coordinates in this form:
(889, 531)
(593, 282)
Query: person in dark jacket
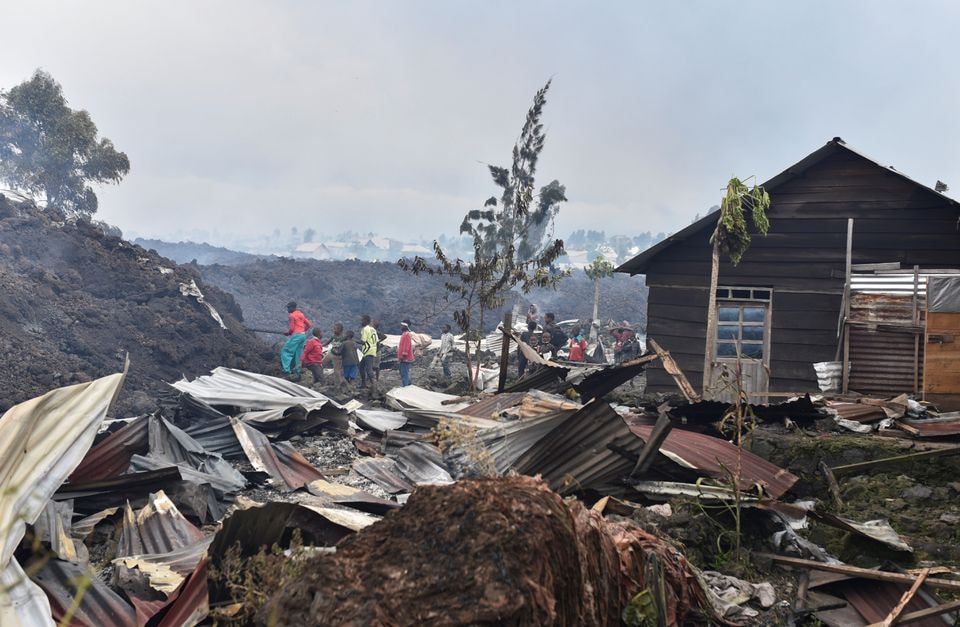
(351, 364)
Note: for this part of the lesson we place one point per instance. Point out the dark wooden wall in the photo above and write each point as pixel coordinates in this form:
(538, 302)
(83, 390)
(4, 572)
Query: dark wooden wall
(802, 260)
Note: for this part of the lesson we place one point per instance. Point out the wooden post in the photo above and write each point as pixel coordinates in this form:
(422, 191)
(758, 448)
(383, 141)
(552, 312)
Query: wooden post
(505, 351)
(916, 336)
(846, 308)
(660, 432)
(710, 346)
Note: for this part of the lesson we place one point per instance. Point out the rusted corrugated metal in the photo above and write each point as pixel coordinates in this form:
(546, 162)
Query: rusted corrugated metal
(99, 605)
(857, 411)
(718, 459)
(882, 359)
(493, 406)
(935, 427)
(158, 527)
(111, 457)
(597, 384)
(281, 461)
(577, 454)
(875, 599)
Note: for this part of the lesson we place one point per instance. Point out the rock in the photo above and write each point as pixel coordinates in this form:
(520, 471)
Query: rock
(764, 594)
(917, 493)
(950, 519)
(955, 486)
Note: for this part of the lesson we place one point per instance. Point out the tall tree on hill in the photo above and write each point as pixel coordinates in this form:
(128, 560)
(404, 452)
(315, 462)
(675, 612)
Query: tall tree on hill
(512, 243)
(51, 151)
(731, 238)
(599, 269)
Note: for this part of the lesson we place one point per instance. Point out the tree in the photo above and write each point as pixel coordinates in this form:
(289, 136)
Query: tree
(599, 269)
(511, 244)
(732, 238)
(51, 151)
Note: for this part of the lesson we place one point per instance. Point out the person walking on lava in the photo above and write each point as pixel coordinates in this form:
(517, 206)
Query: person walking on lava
(293, 347)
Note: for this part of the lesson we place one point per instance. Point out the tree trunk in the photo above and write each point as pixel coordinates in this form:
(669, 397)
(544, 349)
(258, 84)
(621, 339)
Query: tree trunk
(480, 336)
(711, 343)
(596, 310)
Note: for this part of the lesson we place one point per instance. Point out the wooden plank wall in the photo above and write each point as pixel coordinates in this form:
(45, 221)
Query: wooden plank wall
(802, 260)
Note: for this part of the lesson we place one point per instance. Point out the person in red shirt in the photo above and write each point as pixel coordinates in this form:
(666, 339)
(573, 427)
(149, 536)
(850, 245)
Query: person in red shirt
(312, 357)
(405, 355)
(293, 347)
(578, 347)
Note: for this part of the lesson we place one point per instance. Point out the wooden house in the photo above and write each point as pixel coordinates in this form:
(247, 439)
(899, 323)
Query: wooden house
(783, 307)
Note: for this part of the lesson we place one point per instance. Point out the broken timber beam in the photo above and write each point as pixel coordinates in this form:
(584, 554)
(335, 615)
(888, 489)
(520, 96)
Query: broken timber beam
(930, 612)
(832, 485)
(848, 468)
(674, 371)
(897, 610)
(653, 443)
(854, 571)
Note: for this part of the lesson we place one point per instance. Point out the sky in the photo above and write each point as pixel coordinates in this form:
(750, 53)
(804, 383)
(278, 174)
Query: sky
(244, 117)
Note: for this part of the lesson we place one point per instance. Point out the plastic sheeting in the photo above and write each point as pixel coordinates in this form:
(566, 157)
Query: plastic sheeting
(943, 294)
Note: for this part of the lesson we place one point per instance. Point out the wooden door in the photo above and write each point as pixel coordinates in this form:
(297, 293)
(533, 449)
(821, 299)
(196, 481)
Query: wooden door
(743, 335)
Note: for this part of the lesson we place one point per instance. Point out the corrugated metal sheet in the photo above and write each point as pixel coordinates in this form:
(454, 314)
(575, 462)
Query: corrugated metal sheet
(935, 427)
(99, 605)
(718, 458)
(217, 436)
(158, 527)
(874, 599)
(577, 455)
(384, 472)
(857, 411)
(41, 442)
(111, 457)
(286, 466)
(881, 356)
(339, 494)
(493, 406)
(597, 384)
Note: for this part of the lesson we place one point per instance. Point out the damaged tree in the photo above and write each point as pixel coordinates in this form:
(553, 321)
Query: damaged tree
(511, 243)
(732, 238)
(599, 269)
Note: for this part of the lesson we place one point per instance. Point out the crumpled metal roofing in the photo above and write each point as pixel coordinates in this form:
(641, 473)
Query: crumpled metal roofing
(111, 456)
(41, 442)
(285, 465)
(718, 459)
(379, 420)
(416, 397)
(158, 527)
(249, 390)
(384, 472)
(577, 454)
(422, 463)
(98, 606)
(339, 494)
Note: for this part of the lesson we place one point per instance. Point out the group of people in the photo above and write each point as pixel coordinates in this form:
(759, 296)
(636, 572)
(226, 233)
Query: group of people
(349, 357)
(548, 341)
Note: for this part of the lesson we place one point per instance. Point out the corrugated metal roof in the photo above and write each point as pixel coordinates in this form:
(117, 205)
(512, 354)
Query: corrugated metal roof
(158, 527)
(638, 264)
(577, 455)
(98, 606)
(111, 456)
(718, 458)
(42, 441)
(384, 472)
(493, 406)
(285, 465)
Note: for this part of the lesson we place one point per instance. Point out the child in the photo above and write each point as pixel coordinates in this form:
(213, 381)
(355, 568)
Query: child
(350, 362)
(312, 357)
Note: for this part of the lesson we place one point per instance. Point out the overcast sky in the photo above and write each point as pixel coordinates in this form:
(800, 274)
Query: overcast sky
(242, 117)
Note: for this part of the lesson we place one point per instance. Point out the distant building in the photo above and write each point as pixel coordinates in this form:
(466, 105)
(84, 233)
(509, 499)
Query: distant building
(312, 250)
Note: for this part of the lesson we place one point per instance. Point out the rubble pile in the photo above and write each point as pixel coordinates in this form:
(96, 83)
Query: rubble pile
(76, 301)
(249, 498)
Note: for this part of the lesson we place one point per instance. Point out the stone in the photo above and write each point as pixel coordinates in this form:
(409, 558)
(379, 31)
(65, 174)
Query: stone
(764, 594)
(950, 519)
(917, 493)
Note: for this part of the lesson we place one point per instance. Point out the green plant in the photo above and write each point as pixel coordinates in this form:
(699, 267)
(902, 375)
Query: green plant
(49, 149)
(247, 582)
(732, 238)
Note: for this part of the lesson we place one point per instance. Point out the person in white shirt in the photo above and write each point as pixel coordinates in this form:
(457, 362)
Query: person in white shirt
(446, 350)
